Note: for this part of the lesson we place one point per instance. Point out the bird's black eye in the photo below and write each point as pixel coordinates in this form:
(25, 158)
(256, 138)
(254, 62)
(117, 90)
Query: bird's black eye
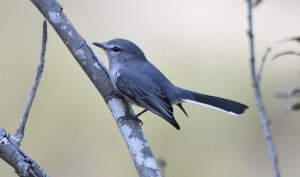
(116, 49)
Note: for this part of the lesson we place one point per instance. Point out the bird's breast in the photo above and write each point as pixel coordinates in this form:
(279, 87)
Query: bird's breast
(114, 74)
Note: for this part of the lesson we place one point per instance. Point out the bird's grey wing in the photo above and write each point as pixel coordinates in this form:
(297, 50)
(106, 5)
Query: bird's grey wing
(141, 91)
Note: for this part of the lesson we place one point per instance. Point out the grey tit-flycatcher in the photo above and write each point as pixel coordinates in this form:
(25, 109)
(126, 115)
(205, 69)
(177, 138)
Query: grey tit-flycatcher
(142, 84)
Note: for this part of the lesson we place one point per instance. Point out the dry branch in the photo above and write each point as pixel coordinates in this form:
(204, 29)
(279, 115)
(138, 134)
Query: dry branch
(18, 159)
(20, 132)
(10, 150)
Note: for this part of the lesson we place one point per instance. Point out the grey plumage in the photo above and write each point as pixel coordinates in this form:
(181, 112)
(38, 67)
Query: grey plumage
(144, 85)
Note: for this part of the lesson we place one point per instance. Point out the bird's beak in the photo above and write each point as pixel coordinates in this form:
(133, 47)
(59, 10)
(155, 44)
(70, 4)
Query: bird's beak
(101, 45)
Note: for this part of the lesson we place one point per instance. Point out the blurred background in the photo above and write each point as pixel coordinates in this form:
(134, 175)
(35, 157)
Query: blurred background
(200, 45)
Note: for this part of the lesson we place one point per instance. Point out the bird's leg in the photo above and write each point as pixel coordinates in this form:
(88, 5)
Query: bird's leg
(137, 116)
(121, 119)
(142, 112)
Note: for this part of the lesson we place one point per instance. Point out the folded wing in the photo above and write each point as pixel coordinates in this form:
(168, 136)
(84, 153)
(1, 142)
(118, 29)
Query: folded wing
(141, 92)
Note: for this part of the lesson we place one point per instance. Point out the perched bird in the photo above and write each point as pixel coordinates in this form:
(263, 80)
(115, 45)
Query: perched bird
(142, 84)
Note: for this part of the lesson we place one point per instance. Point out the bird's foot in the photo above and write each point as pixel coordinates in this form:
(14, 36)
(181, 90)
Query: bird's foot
(135, 118)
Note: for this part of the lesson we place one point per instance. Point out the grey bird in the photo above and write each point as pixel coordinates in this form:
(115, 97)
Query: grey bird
(142, 84)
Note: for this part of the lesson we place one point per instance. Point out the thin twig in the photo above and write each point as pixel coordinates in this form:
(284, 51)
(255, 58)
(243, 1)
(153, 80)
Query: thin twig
(258, 97)
(20, 132)
(288, 93)
(286, 53)
(263, 61)
(295, 39)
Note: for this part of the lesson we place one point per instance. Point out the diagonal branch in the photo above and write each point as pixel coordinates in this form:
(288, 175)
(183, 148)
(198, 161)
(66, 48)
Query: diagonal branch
(131, 131)
(258, 96)
(20, 132)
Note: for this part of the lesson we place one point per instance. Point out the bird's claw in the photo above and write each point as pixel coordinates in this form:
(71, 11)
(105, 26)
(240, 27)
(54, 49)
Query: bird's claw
(123, 118)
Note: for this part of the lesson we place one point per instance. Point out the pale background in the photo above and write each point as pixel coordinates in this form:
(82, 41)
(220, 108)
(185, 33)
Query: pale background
(199, 44)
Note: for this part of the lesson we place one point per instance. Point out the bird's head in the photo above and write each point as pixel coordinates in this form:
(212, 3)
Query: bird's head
(121, 50)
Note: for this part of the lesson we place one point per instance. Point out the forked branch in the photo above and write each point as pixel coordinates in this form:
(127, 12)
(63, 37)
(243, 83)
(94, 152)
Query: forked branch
(258, 97)
(10, 150)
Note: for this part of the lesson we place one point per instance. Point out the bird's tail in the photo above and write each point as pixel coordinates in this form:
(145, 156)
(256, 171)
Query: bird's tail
(222, 104)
